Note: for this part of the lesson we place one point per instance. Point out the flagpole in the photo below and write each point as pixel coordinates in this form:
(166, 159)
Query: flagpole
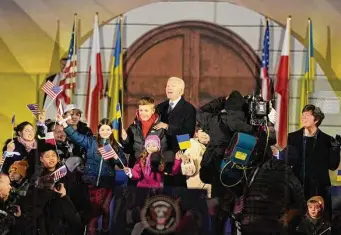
(288, 91)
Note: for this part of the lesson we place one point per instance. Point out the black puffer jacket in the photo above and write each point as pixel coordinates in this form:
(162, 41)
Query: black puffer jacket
(309, 226)
(134, 144)
(274, 191)
(220, 119)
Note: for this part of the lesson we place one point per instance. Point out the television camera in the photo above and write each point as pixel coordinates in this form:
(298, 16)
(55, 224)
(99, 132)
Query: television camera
(258, 110)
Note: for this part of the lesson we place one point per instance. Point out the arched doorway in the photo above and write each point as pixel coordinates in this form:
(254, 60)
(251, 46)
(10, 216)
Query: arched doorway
(212, 60)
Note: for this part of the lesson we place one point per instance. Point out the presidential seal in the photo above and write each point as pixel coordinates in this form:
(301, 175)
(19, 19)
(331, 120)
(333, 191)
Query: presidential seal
(160, 214)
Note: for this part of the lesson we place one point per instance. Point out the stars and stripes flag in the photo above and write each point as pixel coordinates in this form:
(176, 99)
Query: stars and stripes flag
(34, 108)
(68, 81)
(266, 82)
(59, 173)
(51, 90)
(107, 152)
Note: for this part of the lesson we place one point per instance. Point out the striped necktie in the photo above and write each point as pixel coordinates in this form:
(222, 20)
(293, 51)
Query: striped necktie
(170, 108)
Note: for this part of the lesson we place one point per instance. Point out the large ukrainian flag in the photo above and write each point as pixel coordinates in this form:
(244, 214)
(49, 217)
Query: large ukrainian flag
(116, 84)
(309, 75)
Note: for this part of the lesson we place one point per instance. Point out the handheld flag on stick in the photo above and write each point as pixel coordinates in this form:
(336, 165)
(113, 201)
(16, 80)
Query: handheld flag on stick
(59, 173)
(52, 91)
(266, 82)
(184, 141)
(107, 152)
(34, 108)
(49, 138)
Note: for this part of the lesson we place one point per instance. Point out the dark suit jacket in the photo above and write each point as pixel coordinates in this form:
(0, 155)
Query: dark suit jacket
(324, 156)
(181, 120)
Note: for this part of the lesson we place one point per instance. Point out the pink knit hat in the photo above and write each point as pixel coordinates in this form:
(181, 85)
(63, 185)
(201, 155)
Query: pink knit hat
(152, 139)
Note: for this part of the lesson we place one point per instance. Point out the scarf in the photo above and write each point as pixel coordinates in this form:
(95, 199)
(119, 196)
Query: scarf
(146, 125)
(28, 145)
(148, 166)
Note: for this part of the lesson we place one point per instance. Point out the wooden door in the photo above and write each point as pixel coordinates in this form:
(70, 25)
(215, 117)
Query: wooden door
(212, 60)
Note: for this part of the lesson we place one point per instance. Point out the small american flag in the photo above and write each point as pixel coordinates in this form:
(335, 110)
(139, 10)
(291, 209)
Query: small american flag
(59, 173)
(239, 205)
(34, 108)
(51, 90)
(266, 82)
(107, 152)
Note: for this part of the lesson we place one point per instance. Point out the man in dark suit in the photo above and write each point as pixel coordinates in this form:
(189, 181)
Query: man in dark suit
(178, 117)
(318, 153)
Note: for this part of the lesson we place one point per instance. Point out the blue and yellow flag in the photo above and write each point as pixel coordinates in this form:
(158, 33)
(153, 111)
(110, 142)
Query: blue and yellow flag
(309, 74)
(184, 141)
(116, 84)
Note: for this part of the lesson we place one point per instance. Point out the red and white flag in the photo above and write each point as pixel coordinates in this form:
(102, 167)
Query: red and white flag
(282, 89)
(95, 82)
(49, 138)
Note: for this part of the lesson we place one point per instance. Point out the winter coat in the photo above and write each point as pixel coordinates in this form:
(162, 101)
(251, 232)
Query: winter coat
(104, 177)
(274, 191)
(134, 144)
(309, 226)
(7, 219)
(220, 123)
(31, 157)
(153, 179)
(195, 153)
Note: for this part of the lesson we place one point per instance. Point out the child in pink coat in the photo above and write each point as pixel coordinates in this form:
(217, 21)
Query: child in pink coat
(142, 170)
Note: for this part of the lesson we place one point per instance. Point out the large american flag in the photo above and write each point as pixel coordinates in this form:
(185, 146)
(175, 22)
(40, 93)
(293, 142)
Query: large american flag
(266, 82)
(51, 90)
(68, 81)
(107, 152)
(34, 108)
(59, 173)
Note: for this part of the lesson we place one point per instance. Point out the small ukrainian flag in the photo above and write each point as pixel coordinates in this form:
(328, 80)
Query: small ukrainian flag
(338, 177)
(184, 141)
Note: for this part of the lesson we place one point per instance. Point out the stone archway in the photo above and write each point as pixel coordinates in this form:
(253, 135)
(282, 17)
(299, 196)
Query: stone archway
(211, 59)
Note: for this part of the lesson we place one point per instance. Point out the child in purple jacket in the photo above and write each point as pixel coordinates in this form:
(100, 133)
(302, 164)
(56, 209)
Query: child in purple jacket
(142, 170)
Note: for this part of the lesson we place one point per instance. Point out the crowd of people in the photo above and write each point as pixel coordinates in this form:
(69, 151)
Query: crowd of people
(68, 186)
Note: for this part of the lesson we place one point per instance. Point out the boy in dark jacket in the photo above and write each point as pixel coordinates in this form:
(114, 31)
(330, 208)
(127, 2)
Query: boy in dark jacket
(144, 123)
(314, 223)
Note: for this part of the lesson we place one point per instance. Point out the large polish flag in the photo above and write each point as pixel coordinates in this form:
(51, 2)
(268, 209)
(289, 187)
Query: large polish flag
(282, 89)
(95, 82)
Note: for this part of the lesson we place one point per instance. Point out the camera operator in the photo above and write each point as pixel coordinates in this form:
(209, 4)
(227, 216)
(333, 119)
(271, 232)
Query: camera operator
(8, 211)
(218, 121)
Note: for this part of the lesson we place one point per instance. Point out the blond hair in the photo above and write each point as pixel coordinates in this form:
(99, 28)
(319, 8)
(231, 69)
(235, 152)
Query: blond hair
(146, 101)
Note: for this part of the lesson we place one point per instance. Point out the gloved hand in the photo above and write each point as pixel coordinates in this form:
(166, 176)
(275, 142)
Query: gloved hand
(335, 143)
